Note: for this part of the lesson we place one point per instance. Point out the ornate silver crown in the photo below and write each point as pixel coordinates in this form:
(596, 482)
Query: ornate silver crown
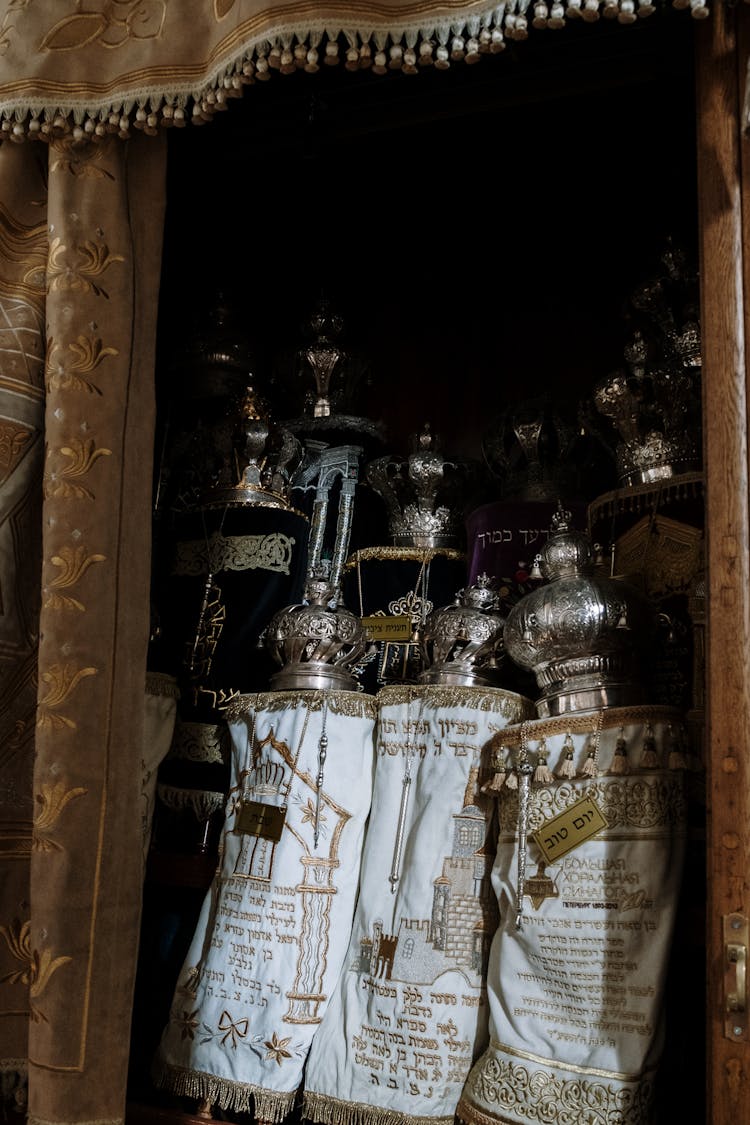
(582, 635)
(423, 495)
(259, 468)
(534, 452)
(653, 403)
(462, 643)
(317, 640)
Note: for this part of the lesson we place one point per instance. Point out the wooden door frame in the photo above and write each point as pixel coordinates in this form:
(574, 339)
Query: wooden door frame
(724, 231)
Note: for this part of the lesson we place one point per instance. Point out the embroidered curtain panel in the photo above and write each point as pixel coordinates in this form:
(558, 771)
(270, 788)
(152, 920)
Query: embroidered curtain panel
(85, 66)
(81, 240)
(80, 244)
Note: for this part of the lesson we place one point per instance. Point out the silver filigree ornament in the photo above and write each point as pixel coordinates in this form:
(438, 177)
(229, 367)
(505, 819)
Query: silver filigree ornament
(462, 644)
(583, 635)
(423, 494)
(316, 641)
(653, 402)
(268, 455)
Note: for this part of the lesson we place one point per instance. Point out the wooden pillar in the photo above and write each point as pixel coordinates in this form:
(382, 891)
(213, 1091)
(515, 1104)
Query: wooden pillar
(724, 221)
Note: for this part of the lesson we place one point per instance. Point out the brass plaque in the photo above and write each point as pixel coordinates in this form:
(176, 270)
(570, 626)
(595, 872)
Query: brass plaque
(378, 627)
(257, 819)
(570, 829)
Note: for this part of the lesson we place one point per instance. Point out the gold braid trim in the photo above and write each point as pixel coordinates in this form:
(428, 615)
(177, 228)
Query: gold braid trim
(159, 683)
(514, 707)
(353, 704)
(403, 554)
(467, 1114)
(241, 1097)
(587, 722)
(334, 1111)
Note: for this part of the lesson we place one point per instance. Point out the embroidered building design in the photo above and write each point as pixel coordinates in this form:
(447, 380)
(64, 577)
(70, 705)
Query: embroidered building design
(464, 913)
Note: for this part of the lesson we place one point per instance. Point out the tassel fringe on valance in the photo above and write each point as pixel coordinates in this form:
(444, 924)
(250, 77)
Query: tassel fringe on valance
(406, 50)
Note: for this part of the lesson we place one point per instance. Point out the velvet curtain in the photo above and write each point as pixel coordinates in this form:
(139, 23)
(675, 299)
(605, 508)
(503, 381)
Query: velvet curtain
(80, 245)
(82, 228)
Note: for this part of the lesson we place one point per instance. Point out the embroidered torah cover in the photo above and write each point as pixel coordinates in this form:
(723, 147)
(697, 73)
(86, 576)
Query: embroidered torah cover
(275, 924)
(409, 1014)
(576, 993)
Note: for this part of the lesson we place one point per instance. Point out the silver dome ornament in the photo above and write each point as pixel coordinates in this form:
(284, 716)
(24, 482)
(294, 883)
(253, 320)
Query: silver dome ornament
(462, 644)
(582, 635)
(316, 641)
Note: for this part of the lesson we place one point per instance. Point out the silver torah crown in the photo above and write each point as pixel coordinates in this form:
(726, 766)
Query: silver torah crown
(533, 451)
(262, 464)
(422, 495)
(654, 401)
(316, 641)
(583, 636)
(462, 644)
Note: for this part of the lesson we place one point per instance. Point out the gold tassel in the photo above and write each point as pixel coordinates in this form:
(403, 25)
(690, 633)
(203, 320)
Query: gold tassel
(496, 782)
(542, 772)
(620, 763)
(677, 760)
(590, 766)
(649, 756)
(567, 766)
(511, 781)
(499, 764)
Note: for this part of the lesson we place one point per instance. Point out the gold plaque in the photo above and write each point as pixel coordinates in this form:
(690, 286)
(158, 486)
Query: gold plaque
(257, 819)
(378, 627)
(569, 829)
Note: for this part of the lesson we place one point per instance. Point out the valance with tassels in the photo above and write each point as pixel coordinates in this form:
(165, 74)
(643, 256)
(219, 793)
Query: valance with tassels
(89, 68)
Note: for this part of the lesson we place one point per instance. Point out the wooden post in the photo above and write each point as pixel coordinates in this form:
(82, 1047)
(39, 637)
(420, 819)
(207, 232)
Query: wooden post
(724, 200)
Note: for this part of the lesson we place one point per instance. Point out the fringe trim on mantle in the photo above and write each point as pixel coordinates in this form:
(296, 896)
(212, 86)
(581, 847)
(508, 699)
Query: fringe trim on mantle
(333, 1111)
(461, 38)
(241, 1097)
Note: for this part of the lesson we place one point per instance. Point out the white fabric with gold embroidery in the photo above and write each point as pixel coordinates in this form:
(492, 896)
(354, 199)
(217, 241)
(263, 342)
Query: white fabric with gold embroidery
(576, 992)
(275, 924)
(410, 1014)
(160, 713)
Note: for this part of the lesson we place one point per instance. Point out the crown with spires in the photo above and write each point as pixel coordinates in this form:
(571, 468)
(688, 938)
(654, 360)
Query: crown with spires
(652, 403)
(423, 493)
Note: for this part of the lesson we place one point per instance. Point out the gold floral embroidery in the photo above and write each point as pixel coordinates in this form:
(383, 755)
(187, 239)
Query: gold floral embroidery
(308, 813)
(13, 442)
(73, 563)
(535, 1095)
(62, 679)
(82, 455)
(66, 373)
(37, 968)
(276, 1048)
(7, 25)
(79, 159)
(52, 800)
(93, 259)
(121, 20)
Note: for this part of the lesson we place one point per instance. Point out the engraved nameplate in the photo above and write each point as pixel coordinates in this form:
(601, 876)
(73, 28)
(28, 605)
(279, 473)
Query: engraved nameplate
(570, 829)
(378, 627)
(257, 819)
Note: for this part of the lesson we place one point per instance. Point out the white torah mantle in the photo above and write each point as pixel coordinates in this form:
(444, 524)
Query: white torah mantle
(275, 924)
(587, 901)
(409, 1014)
